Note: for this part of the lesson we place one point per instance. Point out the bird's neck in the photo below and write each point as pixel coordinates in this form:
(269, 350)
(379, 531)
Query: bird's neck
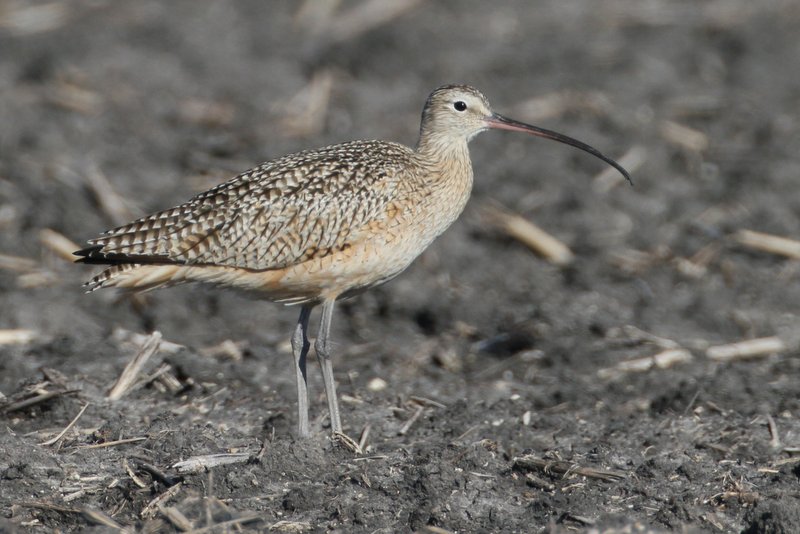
(448, 173)
(437, 150)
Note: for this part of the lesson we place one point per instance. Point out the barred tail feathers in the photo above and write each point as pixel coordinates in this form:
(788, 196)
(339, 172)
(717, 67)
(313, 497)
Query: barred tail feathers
(136, 277)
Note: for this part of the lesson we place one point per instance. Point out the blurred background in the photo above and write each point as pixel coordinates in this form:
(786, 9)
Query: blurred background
(112, 110)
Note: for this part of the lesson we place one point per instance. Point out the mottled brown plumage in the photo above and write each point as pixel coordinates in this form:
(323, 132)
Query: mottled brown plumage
(292, 211)
(314, 226)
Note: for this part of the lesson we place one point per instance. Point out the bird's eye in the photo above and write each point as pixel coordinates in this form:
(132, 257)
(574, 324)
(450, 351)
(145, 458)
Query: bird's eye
(460, 105)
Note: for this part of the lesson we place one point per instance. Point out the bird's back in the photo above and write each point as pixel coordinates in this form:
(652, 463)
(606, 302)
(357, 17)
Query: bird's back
(281, 213)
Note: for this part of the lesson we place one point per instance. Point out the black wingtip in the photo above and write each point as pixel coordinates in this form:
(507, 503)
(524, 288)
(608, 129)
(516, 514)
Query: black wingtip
(86, 255)
(94, 255)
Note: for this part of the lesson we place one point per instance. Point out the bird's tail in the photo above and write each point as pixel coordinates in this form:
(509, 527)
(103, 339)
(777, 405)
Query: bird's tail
(136, 277)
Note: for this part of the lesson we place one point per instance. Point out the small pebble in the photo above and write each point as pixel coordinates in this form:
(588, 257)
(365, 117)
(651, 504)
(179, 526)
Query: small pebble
(377, 384)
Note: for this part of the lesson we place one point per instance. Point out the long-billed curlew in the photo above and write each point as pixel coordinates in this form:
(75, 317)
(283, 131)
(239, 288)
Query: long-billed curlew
(316, 226)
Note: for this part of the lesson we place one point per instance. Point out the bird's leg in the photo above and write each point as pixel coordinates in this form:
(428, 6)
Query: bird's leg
(322, 347)
(300, 346)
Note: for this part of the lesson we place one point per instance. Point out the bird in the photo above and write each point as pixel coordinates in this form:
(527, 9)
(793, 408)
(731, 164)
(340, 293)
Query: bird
(316, 226)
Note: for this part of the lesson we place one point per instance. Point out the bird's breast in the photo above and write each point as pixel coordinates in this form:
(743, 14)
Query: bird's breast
(423, 206)
(447, 188)
(384, 247)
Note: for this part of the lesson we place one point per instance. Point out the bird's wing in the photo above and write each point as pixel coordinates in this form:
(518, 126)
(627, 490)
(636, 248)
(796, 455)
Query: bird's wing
(281, 213)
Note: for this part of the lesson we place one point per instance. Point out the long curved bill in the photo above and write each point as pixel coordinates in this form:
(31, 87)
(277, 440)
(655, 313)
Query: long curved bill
(504, 123)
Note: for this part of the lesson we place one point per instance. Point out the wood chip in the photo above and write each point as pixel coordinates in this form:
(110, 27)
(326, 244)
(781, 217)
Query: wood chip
(197, 464)
(637, 335)
(413, 419)
(101, 518)
(773, 244)
(684, 136)
(176, 517)
(17, 336)
(348, 442)
(150, 510)
(134, 367)
(529, 234)
(67, 94)
(362, 442)
(424, 401)
(632, 261)
(18, 264)
(229, 349)
(114, 443)
(751, 348)
(349, 399)
(41, 278)
(58, 243)
(169, 381)
(131, 473)
(566, 469)
(787, 461)
(539, 483)
(662, 360)
(61, 434)
(775, 438)
(162, 377)
(75, 495)
(38, 399)
(697, 265)
(121, 335)
(21, 18)
(111, 203)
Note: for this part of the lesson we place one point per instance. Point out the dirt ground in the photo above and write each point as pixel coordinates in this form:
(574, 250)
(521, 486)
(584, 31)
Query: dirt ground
(491, 390)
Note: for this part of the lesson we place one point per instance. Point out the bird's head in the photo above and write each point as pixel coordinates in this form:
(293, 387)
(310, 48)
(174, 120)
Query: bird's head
(456, 113)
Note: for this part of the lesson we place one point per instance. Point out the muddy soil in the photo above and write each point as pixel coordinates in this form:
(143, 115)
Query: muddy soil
(490, 390)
